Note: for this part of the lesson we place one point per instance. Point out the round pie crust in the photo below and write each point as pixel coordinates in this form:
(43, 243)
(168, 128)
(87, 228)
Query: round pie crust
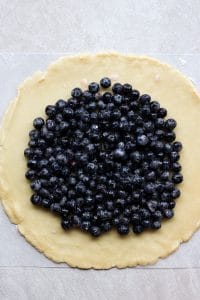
(41, 228)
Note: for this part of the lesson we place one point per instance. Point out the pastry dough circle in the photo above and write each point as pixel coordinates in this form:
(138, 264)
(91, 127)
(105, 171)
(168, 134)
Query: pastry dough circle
(41, 228)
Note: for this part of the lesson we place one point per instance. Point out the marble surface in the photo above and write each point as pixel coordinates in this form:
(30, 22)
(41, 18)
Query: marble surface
(34, 33)
(92, 25)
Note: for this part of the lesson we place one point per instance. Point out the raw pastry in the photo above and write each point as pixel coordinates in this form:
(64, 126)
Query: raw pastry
(42, 229)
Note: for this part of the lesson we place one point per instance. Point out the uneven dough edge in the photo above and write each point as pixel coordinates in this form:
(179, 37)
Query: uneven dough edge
(86, 266)
(4, 190)
(7, 118)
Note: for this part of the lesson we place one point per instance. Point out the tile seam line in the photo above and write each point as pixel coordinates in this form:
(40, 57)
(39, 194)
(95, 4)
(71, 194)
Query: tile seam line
(68, 268)
(95, 51)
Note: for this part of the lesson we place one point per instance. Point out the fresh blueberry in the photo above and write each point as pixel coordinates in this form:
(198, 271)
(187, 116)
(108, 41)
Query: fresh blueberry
(105, 82)
(93, 87)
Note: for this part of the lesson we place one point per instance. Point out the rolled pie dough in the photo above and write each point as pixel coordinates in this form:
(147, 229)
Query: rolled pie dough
(41, 228)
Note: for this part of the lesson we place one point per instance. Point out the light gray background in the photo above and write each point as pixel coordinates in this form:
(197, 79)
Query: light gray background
(32, 34)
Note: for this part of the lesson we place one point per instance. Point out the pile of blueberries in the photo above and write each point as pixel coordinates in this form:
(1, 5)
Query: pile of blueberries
(106, 158)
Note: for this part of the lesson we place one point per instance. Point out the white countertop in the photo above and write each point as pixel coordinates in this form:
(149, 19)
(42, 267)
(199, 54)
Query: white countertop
(34, 33)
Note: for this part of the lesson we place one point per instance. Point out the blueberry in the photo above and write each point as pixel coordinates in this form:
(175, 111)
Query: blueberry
(51, 111)
(123, 229)
(87, 96)
(159, 146)
(60, 105)
(177, 178)
(165, 165)
(34, 134)
(89, 200)
(149, 126)
(176, 167)
(135, 219)
(32, 164)
(72, 181)
(165, 196)
(168, 148)
(95, 231)
(44, 173)
(91, 167)
(157, 215)
(177, 146)
(73, 103)
(156, 225)
(86, 216)
(107, 97)
(142, 140)
(175, 193)
(80, 188)
(50, 125)
(136, 156)
(145, 111)
(135, 95)
(146, 223)
(28, 153)
(121, 145)
(117, 88)
(155, 106)
(92, 106)
(106, 226)
(149, 188)
(169, 186)
(71, 204)
(145, 99)
(174, 156)
(155, 164)
(150, 176)
(36, 199)
(56, 168)
(172, 204)
(152, 205)
(66, 224)
(168, 213)
(159, 123)
(127, 88)
(68, 112)
(46, 203)
(117, 99)
(138, 229)
(93, 117)
(120, 202)
(58, 118)
(43, 163)
(124, 109)
(55, 207)
(131, 115)
(101, 105)
(162, 112)
(93, 87)
(30, 175)
(76, 93)
(116, 115)
(105, 82)
(38, 123)
(170, 124)
(119, 154)
(62, 159)
(76, 221)
(163, 205)
(85, 225)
